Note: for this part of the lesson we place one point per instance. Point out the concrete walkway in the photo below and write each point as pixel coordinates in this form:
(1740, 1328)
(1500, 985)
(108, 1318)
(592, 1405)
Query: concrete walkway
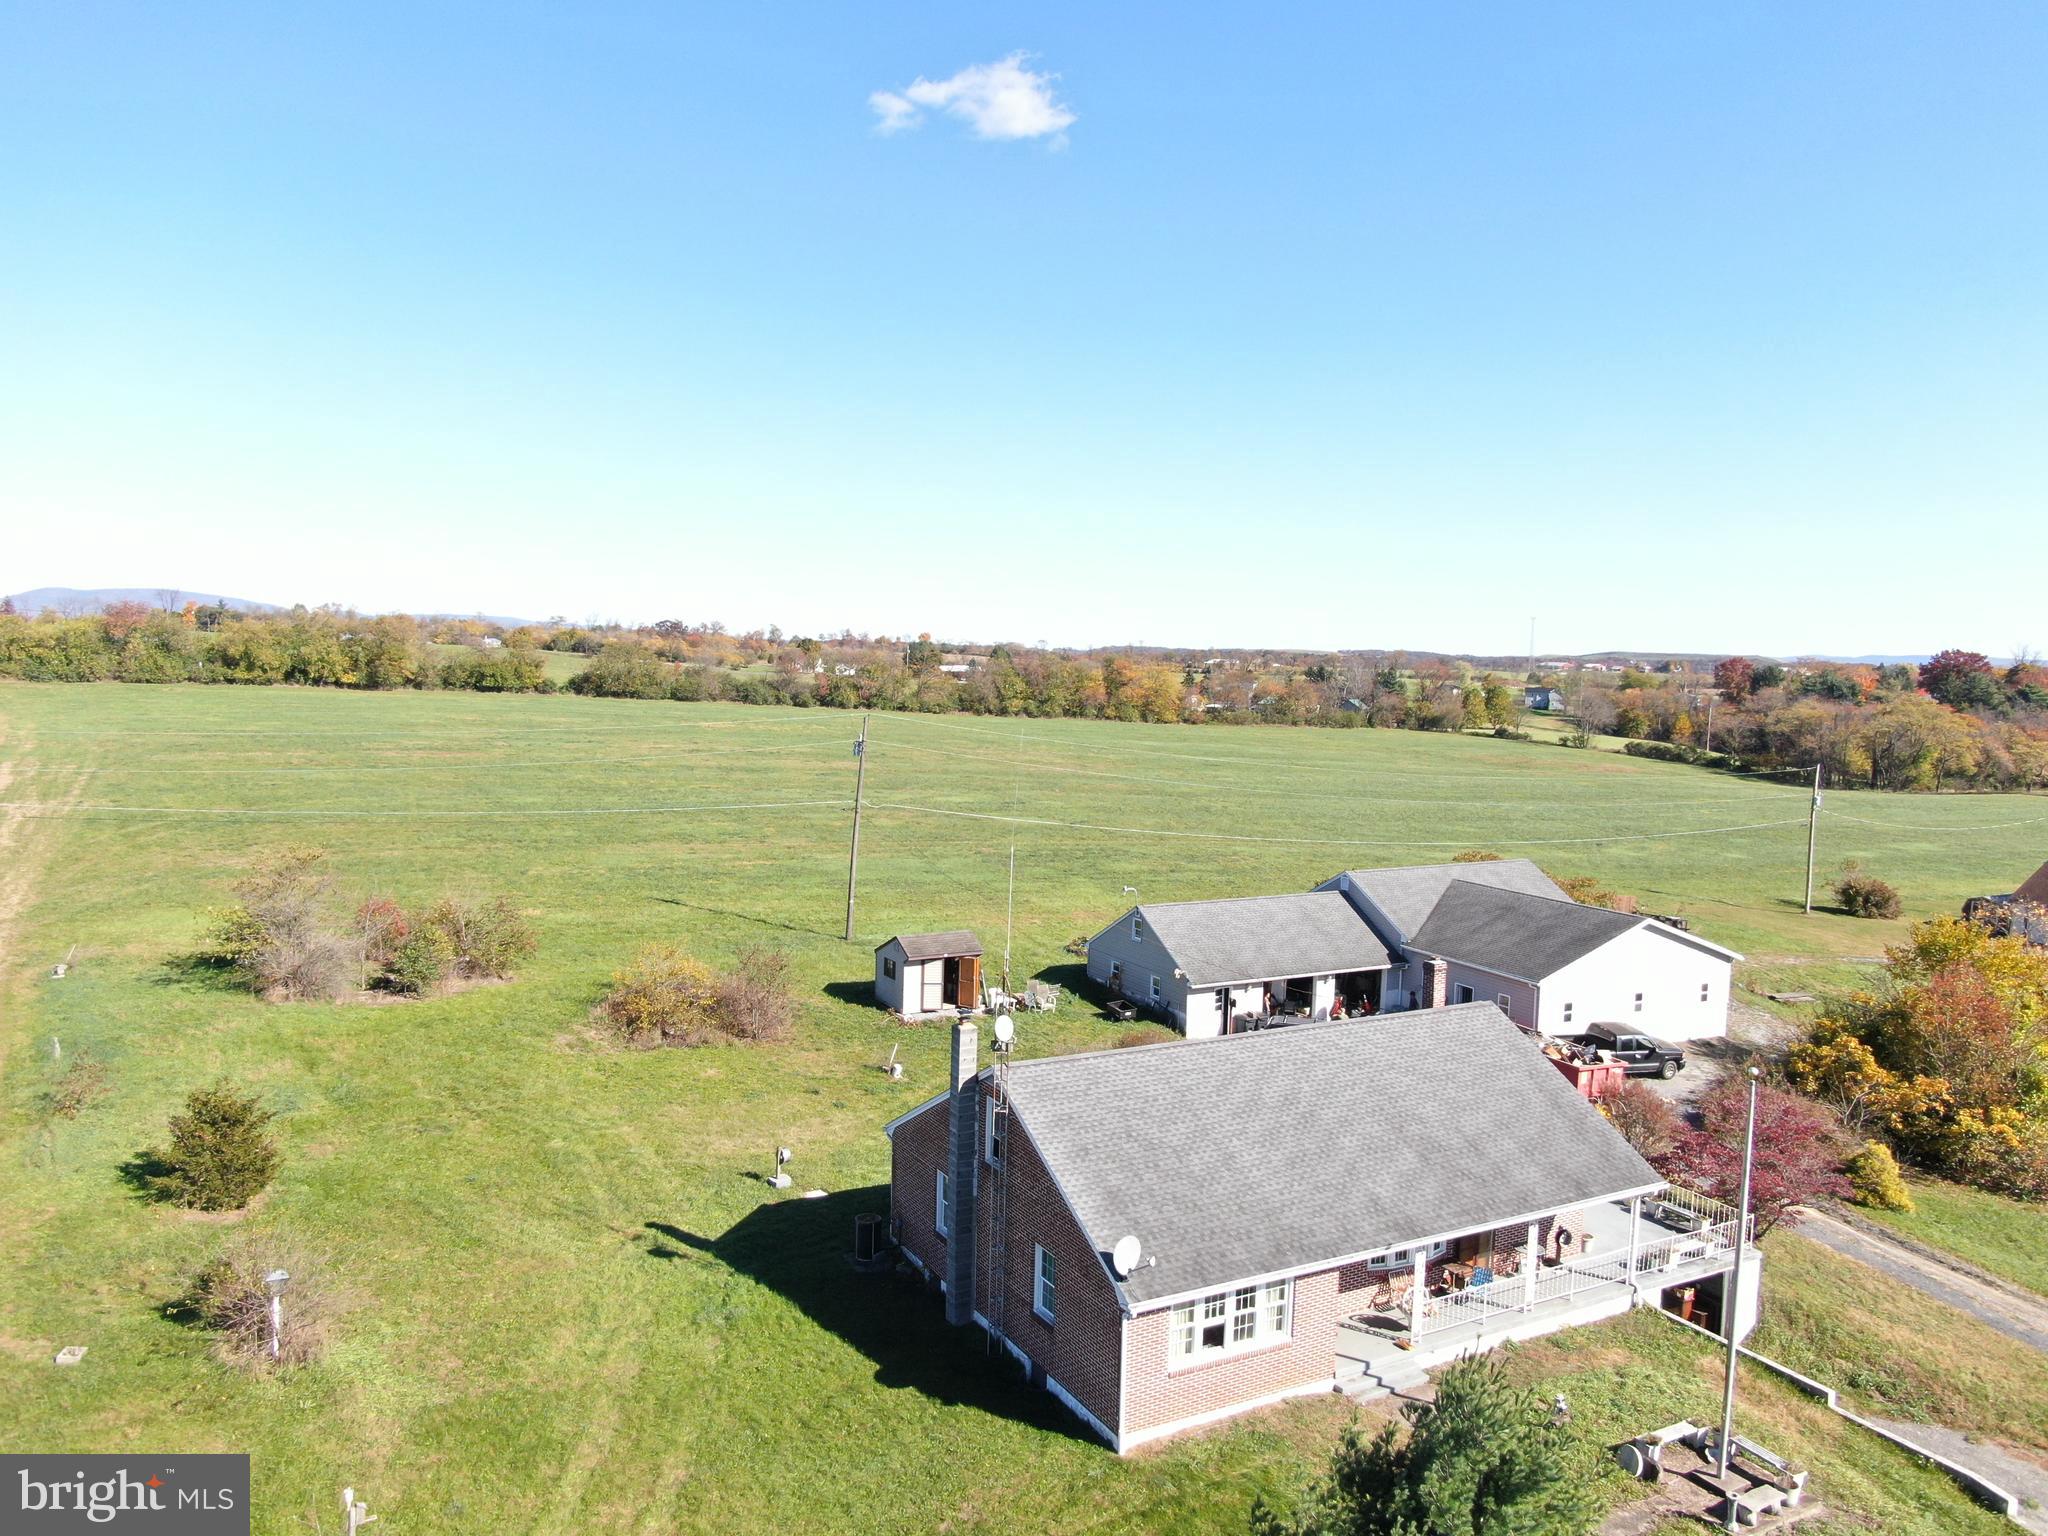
(2018, 1474)
(2013, 1313)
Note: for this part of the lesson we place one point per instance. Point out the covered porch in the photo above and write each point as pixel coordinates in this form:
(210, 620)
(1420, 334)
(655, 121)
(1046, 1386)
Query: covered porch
(1564, 1268)
(1279, 1000)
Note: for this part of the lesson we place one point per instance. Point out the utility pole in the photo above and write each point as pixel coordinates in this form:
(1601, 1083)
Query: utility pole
(1812, 830)
(860, 779)
(1728, 1295)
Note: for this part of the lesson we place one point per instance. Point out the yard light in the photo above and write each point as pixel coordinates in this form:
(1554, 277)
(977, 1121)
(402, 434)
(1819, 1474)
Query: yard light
(275, 1280)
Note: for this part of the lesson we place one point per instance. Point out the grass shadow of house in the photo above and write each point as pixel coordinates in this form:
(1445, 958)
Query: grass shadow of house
(801, 1250)
(861, 994)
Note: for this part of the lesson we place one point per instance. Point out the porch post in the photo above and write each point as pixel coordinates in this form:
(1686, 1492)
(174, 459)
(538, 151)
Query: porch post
(1416, 1295)
(1531, 1255)
(1635, 1235)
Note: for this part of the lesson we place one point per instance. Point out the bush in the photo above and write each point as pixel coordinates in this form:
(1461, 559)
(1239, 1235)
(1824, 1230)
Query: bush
(668, 998)
(218, 1158)
(664, 998)
(420, 964)
(1862, 895)
(485, 938)
(81, 1085)
(755, 1000)
(1645, 1120)
(1486, 1457)
(1475, 856)
(231, 1299)
(1589, 892)
(278, 936)
(381, 927)
(1874, 1179)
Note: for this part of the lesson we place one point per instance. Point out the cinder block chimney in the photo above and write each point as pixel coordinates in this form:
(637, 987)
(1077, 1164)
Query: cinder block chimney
(1436, 983)
(963, 1137)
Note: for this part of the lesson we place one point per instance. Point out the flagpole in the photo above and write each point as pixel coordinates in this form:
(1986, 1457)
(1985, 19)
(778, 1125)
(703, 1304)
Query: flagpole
(1729, 1293)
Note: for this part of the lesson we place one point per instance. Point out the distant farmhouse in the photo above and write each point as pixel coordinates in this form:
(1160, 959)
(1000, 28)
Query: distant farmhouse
(1387, 940)
(1167, 1235)
(1536, 696)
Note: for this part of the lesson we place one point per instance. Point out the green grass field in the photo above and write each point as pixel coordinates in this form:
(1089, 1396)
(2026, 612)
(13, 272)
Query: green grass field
(576, 1307)
(2003, 1236)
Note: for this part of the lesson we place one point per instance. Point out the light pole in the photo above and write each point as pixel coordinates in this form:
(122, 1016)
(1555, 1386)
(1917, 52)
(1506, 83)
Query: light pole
(1729, 1294)
(276, 1280)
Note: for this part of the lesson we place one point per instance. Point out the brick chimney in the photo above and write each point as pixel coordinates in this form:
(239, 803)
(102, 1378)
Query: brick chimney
(963, 1136)
(1436, 983)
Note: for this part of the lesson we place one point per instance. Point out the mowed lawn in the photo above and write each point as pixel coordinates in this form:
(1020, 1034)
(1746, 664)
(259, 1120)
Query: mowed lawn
(576, 1307)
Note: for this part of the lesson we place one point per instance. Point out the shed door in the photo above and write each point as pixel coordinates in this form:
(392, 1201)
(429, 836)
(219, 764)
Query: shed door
(969, 993)
(934, 995)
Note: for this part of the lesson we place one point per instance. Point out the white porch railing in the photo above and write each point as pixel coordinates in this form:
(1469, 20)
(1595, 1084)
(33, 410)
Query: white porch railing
(1705, 1246)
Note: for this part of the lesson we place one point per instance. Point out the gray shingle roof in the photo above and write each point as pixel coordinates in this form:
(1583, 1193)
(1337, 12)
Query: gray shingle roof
(1256, 938)
(1515, 934)
(935, 946)
(1257, 1154)
(1407, 895)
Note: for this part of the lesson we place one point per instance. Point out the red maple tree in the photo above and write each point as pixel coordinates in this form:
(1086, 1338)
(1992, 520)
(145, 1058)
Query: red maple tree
(1799, 1151)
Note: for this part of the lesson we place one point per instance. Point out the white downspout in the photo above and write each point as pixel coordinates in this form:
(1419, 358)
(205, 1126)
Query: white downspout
(1530, 1257)
(1415, 1296)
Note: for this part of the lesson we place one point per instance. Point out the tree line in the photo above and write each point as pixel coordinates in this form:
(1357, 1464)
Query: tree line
(1956, 721)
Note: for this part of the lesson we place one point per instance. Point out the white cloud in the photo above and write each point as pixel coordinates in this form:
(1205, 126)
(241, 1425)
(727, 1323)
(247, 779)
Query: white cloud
(1003, 100)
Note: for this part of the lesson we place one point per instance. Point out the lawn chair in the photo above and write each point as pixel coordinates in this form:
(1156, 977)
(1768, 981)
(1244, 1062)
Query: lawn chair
(1041, 996)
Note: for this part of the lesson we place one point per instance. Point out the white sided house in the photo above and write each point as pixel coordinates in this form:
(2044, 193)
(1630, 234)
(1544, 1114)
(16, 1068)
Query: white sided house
(1169, 1235)
(1508, 935)
(1209, 966)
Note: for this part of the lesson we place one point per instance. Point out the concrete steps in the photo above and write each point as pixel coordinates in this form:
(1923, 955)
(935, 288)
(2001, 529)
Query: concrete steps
(1376, 1378)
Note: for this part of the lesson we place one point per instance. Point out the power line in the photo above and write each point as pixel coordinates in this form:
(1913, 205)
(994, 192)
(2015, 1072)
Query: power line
(1322, 842)
(35, 810)
(1365, 792)
(1922, 826)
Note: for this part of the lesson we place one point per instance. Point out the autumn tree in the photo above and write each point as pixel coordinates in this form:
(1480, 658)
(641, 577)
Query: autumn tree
(1736, 678)
(1799, 1151)
(1962, 679)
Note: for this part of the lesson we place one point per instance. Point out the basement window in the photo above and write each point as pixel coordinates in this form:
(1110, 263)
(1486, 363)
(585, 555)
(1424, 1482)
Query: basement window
(1157, 995)
(1229, 1322)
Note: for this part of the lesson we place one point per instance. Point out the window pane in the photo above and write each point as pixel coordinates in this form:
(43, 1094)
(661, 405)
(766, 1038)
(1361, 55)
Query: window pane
(1212, 1306)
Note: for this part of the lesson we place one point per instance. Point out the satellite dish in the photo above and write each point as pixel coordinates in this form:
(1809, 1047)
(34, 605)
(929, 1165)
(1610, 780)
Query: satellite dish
(1005, 1030)
(1123, 1258)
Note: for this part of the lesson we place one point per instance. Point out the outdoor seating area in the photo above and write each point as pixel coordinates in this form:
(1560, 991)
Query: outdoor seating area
(1036, 997)
(1669, 1239)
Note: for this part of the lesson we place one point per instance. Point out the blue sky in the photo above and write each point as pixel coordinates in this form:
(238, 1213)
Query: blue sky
(1712, 328)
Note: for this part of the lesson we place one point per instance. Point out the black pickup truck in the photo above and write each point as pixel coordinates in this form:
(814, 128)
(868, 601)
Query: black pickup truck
(1639, 1054)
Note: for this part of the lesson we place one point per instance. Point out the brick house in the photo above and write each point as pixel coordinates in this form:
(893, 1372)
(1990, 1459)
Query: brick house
(1165, 1236)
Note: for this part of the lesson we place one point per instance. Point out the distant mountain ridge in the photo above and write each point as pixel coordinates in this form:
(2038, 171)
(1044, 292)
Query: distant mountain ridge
(79, 600)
